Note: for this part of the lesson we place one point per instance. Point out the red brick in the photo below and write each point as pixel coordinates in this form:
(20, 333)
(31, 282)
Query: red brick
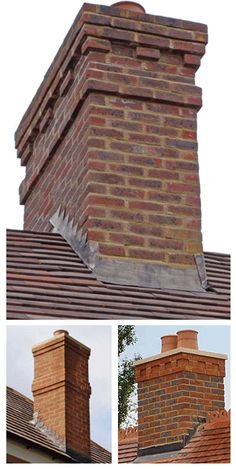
(45, 121)
(148, 53)
(127, 215)
(127, 239)
(66, 83)
(104, 201)
(146, 254)
(145, 206)
(95, 44)
(109, 250)
(192, 60)
(106, 178)
(181, 188)
(128, 193)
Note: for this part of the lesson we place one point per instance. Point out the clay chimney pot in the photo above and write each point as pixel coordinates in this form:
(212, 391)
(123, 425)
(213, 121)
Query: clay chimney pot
(168, 342)
(132, 6)
(60, 332)
(187, 339)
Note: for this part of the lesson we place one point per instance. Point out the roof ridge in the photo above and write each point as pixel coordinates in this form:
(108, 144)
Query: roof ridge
(99, 446)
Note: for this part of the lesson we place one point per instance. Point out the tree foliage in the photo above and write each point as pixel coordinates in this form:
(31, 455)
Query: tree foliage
(126, 375)
(126, 336)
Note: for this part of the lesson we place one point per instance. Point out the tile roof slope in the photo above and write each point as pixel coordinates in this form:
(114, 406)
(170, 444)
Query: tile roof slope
(19, 417)
(46, 279)
(210, 444)
(128, 445)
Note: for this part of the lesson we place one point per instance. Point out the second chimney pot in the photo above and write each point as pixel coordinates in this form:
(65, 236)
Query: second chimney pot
(187, 339)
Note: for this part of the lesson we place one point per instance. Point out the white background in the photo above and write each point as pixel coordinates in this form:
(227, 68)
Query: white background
(31, 32)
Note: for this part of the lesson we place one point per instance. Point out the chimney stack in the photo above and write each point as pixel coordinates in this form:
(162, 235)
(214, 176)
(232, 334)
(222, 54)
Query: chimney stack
(110, 147)
(176, 390)
(61, 393)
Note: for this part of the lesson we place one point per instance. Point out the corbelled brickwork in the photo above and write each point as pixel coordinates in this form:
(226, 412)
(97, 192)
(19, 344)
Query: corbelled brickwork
(110, 137)
(61, 392)
(176, 390)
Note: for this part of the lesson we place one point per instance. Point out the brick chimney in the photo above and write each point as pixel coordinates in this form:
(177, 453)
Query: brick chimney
(110, 147)
(61, 393)
(176, 390)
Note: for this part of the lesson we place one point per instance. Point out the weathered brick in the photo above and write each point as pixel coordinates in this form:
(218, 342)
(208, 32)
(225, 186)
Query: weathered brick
(113, 250)
(148, 53)
(192, 60)
(127, 215)
(66, 83)
(45, 121)
(106, 178)
(146, 254)
(95, 44)
(127, 193)
(145, 206)
(127, 239)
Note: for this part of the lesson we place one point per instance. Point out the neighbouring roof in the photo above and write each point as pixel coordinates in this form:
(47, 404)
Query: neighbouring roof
(210, 444)
(19, 425)
(46, 279)
(128, 445)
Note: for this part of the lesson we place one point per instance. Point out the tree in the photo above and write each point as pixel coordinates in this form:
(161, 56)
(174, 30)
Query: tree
(126, 374)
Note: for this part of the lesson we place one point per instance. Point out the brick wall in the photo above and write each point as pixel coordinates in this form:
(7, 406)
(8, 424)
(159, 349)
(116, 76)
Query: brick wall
(61, 392)
(111, 136)
(175, 393)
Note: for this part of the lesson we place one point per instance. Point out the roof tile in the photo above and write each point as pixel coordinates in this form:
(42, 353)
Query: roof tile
(19, 424)
(46, 279)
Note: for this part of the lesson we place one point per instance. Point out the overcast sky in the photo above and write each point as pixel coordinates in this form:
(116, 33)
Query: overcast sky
(20, 340)
(210, 339)
(32, 33)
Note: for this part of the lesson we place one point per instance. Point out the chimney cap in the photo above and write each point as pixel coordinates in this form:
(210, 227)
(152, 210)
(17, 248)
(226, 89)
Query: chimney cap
(60, 332)
(131, 6)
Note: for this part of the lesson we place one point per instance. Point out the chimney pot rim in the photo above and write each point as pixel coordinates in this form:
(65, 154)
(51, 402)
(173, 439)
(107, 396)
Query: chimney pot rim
(186, 330)
(169, 335)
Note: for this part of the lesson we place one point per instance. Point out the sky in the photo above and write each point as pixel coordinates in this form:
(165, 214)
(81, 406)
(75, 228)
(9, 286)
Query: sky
(20, 340)
(210, 339)
(32, 32)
